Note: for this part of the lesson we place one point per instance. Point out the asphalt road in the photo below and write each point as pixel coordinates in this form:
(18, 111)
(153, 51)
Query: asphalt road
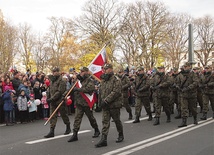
(140, 139)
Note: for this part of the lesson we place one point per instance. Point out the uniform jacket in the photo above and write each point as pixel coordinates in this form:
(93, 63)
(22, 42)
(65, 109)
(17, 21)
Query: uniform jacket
(87, 87)
(125, 85)
(142, 84)
(163, 82)
(188, 80)
(111, 92)
(208, 80)
(56, 90)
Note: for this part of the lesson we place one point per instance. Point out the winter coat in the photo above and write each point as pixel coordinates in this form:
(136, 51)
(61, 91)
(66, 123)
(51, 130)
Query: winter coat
(32, 106)
(7, 99)
(22, 103)
(44, 102)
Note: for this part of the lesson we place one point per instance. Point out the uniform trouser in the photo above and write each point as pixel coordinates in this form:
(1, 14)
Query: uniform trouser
(173, 98)
(179, 102)
(142, 101)
(162, 102)
(206, 99)
(115, 115)
(80, 110)
(200, 98)
(63, 114)
(188, 104)
(126, 105)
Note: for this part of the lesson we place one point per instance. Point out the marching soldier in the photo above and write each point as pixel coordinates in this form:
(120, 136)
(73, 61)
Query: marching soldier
(110, 99)
(54, 96)
(142, 92)
(82, 105)
(125, 88)
(160, 85)
(188, 87)
(208, 89)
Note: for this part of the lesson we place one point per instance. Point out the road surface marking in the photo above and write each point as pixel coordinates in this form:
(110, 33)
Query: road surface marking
(139, 145)
(56, 137)
(141, 119)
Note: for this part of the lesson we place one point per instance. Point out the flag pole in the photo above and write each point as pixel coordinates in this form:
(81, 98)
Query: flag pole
(60, 103)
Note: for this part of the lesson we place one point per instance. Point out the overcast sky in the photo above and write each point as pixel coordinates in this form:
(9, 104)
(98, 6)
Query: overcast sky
(36, 12)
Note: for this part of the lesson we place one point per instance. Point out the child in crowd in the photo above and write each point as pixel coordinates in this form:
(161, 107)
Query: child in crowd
(22, 106)
(32, 108)
(8, 106)
(45, 106)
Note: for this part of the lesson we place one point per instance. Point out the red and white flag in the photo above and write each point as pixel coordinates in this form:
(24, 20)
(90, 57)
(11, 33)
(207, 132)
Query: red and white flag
(90, 99)
(96, 68)
(96, 65)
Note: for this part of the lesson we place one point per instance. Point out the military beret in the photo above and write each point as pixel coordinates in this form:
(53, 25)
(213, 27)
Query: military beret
(160, 67)
(187, 64)
(140, 68)
(84, 69)
(107, 66)
(196, 68)
(55, 69)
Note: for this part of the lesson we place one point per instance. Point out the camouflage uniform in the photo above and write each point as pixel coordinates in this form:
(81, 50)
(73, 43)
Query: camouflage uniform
(82, 105)
(143, 94)
(125, 88)
(160, 85)
(173, 97)
(188, 87)
(110, 99)
(55, 92)
(208, 95)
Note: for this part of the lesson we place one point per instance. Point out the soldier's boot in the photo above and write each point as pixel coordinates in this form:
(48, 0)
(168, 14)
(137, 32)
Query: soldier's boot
(150, 117)
(120, 138)
(168, 119)
(157, 121)
(178, 116)
(74, 137)
(204, 117)
(68, 129)
(137, 120)
(50, 134)
(130, 115)
(183, 123)
(195, 120)
(96, 133)
(102, 142)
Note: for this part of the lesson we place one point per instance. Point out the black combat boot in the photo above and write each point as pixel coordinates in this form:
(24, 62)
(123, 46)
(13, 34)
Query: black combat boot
(68, 129)
(102, 142)
(157, 121)
(150, 117)
(178, 116)
(137, 120)
(195, 120)
(120, 138)
(50, 134)
(74, 137)
(130, 116)
(168, 119)
(204, 117)
(96, 133)
(183, 123)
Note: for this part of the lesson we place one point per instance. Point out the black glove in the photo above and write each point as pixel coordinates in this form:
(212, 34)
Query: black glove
(76, 89)
(50, 100)
(104, 104)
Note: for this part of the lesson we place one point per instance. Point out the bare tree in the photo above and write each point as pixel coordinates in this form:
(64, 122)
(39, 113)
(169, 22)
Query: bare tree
(175, 46)
(99, 22)
(205, 39)
(26, 42)
(7, 44)
(60, 31)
